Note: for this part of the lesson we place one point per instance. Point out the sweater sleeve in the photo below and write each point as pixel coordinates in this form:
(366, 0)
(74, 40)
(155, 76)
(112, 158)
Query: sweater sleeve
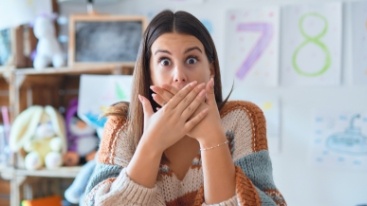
(109, 183)
(119, 190)
(244, 123)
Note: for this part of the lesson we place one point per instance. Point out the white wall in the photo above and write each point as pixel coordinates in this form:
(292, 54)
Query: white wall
(300, 182)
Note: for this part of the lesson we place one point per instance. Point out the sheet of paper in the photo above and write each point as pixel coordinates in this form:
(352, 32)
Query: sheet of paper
(97, 92)
(312, 37)
(252, 45)
(340, 140)
(358, 13)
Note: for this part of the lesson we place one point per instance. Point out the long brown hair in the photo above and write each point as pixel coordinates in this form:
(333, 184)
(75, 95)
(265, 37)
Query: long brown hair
(166, 22)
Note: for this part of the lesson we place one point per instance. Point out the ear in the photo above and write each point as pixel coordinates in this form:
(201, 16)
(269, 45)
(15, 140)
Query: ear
(24, 127)
(212, 70)
(59, 124)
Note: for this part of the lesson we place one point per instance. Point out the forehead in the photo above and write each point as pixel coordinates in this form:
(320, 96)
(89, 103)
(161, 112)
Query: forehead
(176, 41)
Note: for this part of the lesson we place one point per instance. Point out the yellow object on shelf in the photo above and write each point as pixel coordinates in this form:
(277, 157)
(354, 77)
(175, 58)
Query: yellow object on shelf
(45, 201)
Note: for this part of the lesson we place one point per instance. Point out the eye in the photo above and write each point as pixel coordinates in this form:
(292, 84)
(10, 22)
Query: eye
(192, 60)
(164, 62)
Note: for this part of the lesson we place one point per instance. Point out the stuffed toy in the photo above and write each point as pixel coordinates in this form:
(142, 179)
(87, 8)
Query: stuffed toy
(48, 49)
(82, 139)
(40, 133)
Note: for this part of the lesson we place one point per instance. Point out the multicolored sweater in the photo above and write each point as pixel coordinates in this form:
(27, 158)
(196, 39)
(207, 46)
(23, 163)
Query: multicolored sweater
(244, 124)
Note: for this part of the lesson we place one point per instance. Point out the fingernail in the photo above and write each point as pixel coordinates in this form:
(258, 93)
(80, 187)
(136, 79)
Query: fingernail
(212, 82)
(140, 99)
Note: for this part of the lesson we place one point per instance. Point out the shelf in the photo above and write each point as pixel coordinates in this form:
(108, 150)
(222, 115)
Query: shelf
(62, 172)
(77, 70)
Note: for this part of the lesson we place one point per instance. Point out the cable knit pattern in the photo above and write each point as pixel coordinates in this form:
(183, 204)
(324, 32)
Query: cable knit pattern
(244, 126)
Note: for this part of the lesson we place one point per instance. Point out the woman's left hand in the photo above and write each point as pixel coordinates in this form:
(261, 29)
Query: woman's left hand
(210, 125)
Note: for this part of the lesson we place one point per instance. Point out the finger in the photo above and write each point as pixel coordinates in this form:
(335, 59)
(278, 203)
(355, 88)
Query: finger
(170, 89)
(157, 98)
(147, 107)
(200, 98)
(210, 91)
(188, 100)
(181, 95)
(165, 95)
(189, 125)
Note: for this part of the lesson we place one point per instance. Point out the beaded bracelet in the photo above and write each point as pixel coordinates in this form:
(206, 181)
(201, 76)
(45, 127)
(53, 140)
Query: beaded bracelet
(218, 145)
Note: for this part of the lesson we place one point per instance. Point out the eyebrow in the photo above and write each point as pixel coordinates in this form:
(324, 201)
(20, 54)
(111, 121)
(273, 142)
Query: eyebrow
(186, 51)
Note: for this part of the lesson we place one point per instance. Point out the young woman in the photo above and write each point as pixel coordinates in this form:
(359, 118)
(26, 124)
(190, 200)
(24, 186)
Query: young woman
(179, 142)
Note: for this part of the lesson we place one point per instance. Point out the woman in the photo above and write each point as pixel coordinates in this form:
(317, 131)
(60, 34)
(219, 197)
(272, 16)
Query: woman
(179, 142)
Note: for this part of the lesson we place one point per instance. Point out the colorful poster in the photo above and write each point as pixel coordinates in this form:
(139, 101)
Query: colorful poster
(358, 11)
(252, 37)
(312, 38)
(98, 92)
(340, 140)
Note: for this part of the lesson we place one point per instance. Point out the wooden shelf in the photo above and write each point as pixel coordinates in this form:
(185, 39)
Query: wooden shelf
(77, 70)
(62, 172)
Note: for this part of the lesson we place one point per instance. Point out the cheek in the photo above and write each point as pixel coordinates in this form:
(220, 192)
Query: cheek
(158, 78)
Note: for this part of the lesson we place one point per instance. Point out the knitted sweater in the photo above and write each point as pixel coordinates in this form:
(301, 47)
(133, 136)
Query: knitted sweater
(244, 124)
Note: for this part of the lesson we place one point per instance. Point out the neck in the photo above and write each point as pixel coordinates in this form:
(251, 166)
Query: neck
(184, 146)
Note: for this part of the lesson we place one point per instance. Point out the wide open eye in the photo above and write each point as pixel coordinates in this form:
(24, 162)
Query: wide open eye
(164, 62)
(192, 60)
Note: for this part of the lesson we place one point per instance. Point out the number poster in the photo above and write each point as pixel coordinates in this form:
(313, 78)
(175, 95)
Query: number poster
(312, 44)
(252, 37)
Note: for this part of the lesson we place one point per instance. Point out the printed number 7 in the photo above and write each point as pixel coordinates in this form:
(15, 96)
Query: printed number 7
(255, 53)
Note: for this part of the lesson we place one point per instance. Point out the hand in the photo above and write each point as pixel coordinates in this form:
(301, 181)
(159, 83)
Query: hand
(175, 119)
(210, 125)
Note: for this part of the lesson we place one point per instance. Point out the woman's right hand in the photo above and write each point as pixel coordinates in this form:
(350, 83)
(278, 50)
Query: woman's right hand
(174, 120)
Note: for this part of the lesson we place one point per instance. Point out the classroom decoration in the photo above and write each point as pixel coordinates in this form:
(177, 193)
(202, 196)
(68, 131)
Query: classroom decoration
(358, 12)
(82, 138)
(48, 48)
(252, 37)
(40, 132)
(104, 40)
(312, 44)
(97, 92)
(340, 140)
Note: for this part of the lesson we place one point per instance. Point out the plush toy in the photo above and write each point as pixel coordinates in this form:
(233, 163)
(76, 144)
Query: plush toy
(82, 140)
(48, 49)
(40, 133)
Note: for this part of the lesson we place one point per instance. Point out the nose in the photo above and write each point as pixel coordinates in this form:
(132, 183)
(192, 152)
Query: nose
(179, 75)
